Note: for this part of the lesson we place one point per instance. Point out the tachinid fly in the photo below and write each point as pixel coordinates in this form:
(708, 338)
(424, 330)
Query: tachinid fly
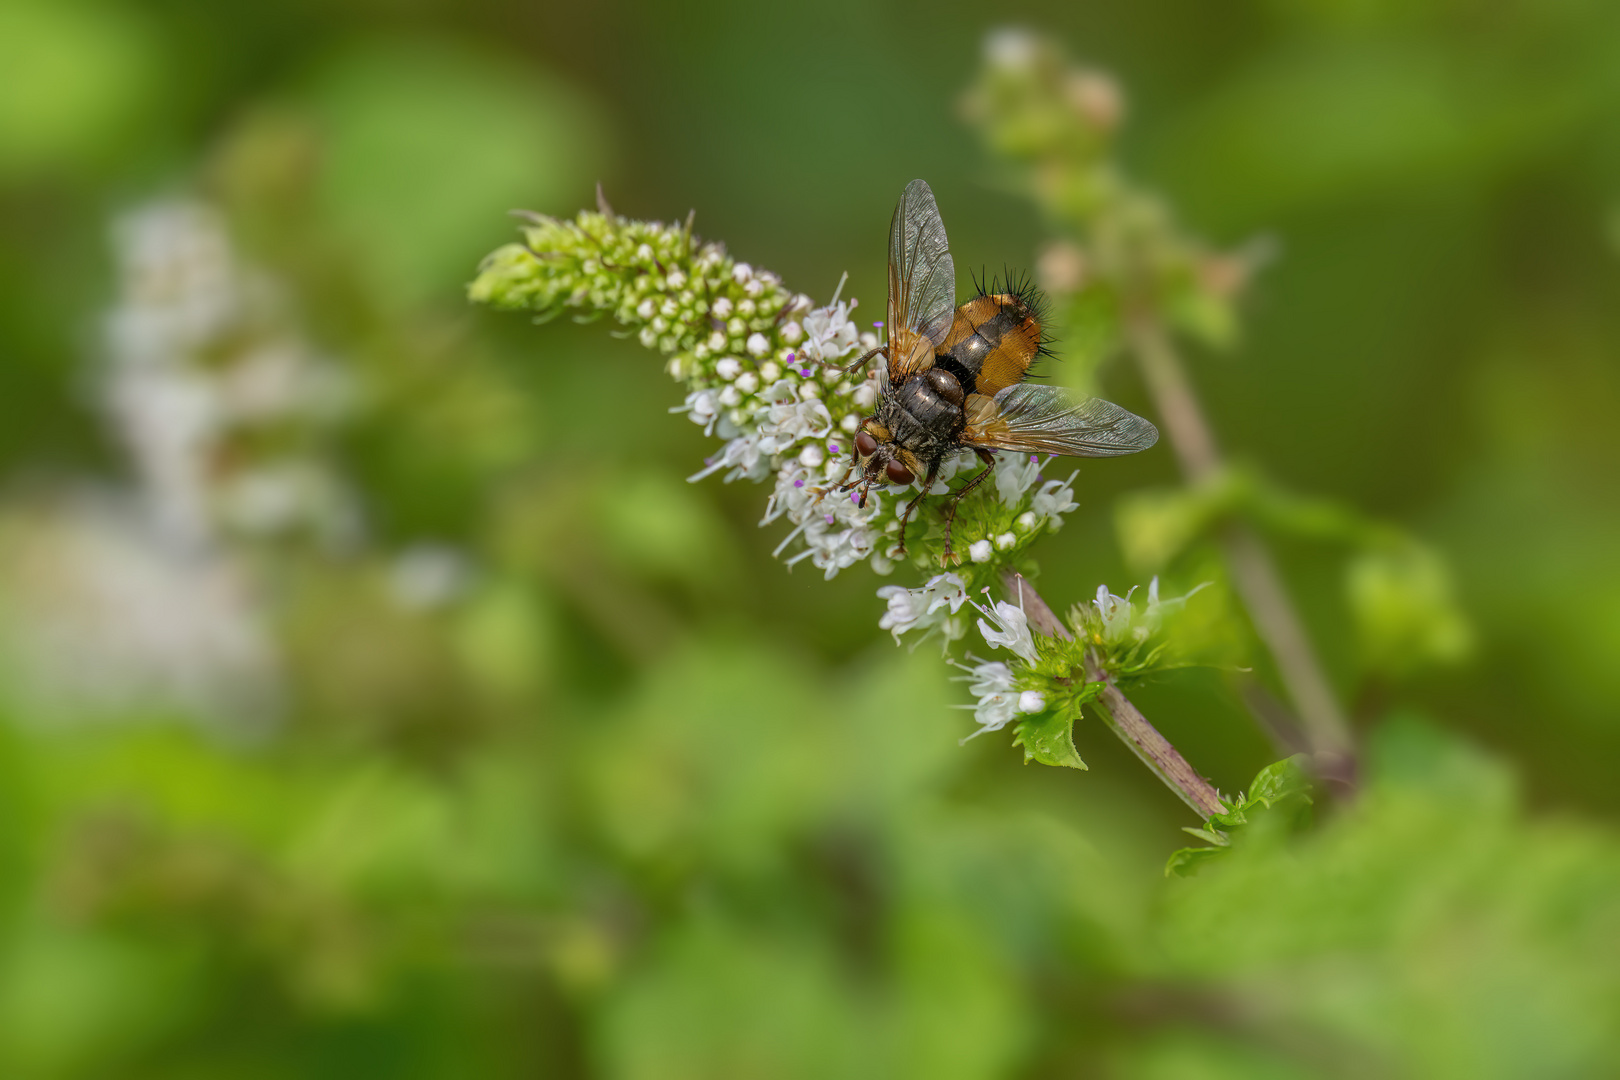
(954, 376)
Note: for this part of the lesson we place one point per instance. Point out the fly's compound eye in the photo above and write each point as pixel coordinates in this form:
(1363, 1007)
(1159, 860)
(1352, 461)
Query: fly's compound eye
(865, 445)
(898, 473)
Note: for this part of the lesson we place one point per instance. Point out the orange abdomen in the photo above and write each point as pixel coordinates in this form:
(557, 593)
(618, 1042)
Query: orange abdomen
(992, 342)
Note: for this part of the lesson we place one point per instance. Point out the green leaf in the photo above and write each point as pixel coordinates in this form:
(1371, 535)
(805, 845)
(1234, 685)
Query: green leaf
(1279, 781)
(1186, 861)
(1049, 739)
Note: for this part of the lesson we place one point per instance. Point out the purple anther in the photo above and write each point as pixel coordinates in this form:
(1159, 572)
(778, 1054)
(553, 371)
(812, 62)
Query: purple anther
(832, 446)
(830, 519)
(878, 323)
(798, 483)
(854, 497)
(1033, 458)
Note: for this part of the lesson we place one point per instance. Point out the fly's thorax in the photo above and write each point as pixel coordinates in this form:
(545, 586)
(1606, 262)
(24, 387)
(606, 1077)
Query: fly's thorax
(930, 405)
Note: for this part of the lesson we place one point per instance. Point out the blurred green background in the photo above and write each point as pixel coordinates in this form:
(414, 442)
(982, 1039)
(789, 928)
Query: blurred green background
(379, 700)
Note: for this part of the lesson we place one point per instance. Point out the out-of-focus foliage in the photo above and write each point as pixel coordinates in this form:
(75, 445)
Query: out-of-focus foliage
(449, 732)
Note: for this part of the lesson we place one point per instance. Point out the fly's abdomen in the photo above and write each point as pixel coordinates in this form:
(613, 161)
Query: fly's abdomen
(991, 344)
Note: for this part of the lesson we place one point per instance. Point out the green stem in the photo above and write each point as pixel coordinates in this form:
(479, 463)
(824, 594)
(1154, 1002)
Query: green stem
(1254, 572)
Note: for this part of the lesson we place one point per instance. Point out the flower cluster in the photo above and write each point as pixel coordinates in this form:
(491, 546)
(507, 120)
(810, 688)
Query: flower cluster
(758, 363)
(760, 369)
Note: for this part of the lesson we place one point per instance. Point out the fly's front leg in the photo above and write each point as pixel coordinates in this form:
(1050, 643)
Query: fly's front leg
(820, 491)
(956, 500)
(864, 359)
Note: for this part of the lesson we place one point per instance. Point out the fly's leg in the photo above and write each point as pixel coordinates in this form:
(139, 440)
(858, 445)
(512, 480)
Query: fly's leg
(821, 492)
(864, 359)
(956, 500)
(928, 483)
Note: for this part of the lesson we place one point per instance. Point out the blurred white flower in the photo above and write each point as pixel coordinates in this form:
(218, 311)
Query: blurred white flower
(199, 347)
(1119, 622)
(102, 618)
(427, 576)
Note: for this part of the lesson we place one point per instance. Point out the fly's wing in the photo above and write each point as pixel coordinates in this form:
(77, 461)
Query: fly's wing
(1045, 420)
(922, 283)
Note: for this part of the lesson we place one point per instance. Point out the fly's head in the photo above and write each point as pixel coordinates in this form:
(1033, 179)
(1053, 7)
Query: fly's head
(880, 459)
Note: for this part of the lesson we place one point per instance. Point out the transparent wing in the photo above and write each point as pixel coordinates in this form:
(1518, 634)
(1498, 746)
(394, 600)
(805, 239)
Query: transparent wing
(922, 282)
(1046, 420)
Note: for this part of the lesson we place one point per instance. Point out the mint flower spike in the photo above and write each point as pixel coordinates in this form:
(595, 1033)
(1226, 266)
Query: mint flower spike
(760, 368)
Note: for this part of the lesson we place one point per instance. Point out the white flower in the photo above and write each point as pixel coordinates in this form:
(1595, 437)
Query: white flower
(1119, 622)
(999, 703)
(742, 455)
(911, 609)
(721, 308)
(703, 406)
(1014, 474)
(787, 423)
(1055, 498)
(979, 551)
(829, 333)
(757, 345)
(792, 332)
(1011, 632)
(1005, 542)
(728, 367)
